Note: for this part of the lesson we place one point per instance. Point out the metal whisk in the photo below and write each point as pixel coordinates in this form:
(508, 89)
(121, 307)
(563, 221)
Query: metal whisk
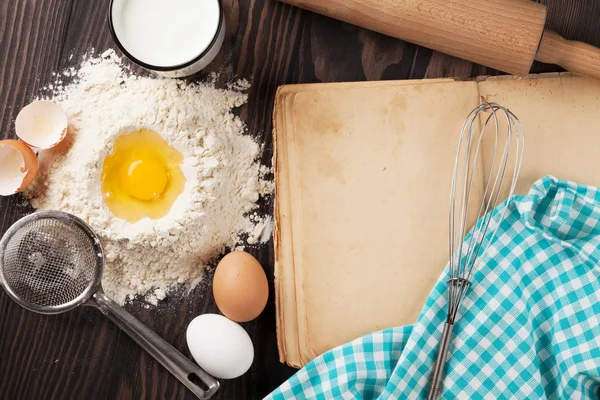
(52, 262)
(488, 122)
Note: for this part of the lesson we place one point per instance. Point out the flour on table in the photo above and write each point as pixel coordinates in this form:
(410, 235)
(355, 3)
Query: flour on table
(224, 180)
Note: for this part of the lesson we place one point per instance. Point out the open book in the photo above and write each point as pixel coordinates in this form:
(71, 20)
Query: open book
(363, 174)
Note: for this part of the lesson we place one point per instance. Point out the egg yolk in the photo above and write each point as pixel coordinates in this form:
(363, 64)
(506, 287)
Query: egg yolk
(146, 179)
(142, 176)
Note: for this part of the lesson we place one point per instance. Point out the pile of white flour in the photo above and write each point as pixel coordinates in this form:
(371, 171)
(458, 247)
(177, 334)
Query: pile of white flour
(224, 181)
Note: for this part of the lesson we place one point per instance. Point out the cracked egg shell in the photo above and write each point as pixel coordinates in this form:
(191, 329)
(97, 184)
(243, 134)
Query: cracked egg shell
(18, 166)
(42, 124)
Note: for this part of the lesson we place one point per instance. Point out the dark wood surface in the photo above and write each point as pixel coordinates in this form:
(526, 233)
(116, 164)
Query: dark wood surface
(81, 355)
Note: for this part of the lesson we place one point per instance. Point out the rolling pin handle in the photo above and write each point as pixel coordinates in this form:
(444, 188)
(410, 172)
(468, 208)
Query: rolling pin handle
(577, 57)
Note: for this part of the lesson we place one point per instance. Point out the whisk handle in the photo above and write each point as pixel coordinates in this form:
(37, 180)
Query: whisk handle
(175, 362)
(440, 365)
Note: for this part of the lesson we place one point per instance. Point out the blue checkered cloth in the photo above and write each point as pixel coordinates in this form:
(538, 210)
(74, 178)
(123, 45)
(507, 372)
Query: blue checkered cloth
(530, 325)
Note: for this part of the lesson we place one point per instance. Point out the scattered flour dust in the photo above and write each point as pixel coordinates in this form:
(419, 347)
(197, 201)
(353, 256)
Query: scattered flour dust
(224, 180)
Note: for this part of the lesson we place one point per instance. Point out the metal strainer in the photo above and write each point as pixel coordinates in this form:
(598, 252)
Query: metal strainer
(52, 262)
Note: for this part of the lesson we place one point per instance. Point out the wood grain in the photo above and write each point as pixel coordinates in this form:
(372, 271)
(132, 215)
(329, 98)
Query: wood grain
(81, 355)
(577, 57)
(501, 34)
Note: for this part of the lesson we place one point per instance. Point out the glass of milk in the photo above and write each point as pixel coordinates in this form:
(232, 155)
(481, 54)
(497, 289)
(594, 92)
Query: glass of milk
(172, 38)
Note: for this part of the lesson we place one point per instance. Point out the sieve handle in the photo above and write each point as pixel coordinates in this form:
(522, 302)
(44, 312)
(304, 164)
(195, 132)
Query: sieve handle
(176, 363)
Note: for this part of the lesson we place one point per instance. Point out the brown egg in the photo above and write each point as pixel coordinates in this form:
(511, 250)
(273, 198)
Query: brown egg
(240, 287)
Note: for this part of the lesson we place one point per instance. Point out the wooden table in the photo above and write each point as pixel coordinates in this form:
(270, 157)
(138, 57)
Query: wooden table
(81, 355)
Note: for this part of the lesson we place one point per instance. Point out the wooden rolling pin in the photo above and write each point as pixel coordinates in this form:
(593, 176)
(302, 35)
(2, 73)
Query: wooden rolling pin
(503, 34)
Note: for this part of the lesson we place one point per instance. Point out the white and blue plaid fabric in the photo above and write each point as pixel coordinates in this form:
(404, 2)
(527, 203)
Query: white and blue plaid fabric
(530, 325)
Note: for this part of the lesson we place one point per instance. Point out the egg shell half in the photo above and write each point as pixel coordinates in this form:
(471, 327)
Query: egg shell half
(240, 287)
(42, 124)
(220, 346)
(18, 167)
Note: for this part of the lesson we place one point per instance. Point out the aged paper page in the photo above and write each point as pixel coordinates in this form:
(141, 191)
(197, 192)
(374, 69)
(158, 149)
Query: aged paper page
(369, 204)
(291, 318)
(285, 286)
(561, 118)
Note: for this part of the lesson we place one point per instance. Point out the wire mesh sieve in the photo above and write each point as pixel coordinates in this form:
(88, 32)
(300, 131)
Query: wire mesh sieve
(50, 263)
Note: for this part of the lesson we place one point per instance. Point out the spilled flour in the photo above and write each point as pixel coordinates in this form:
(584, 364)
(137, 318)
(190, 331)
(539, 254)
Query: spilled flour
(224, 180)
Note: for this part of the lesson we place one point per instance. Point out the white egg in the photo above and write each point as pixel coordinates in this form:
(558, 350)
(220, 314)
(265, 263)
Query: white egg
(220, 346)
